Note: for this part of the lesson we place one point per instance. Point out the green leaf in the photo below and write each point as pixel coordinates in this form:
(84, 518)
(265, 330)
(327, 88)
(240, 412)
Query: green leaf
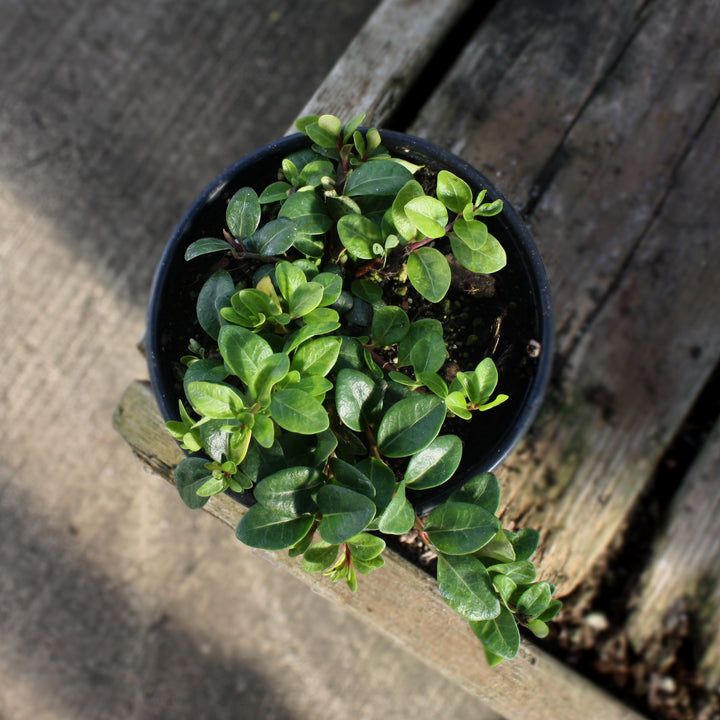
(428, 214)
(520, 571)
(265, 529)
(410, 425)
(345, 513)
(358, 399)
(367, 566)
(472, 233)
(264, 430)
(390, 324)
(289, 278)
(525, 542)
(418, 330)
(243, 351)
(453, 191)
(483, 382)
(312, 329)
(273, 238)
(433, 382)
(317, 357)
(499, 549)
(271, 371)
(319, 556)
(411, 190)
(290, 492)
(428, 353)
(466, 587)
(275, 192)
(457, 404)
(535, 600)
(214, 294)
(382, 479)
(399, 516)
(204, 246)
(213, 486)
(367, 290)
(350, 476)
(429, 273)
(321, 135)
(488, 258)
(350, 127)
(500, 635)
(380, 177)
(505, 586)
(551, 611)
(308, 212)
(215, 400)
(243, 213)
(205, 370)
(305, 299)
(538, 628)
(459, 528)
(358, 235)
(332, 287)
(299, 412)
(435, 464)
(302, 122)
(482, 490)
(365, 547)
(190, 474)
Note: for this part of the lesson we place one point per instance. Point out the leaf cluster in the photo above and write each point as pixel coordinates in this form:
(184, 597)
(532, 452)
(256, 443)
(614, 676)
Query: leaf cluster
(291, 394)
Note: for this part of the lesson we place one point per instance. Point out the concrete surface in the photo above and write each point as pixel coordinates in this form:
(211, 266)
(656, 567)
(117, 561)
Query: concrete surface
(116, 601)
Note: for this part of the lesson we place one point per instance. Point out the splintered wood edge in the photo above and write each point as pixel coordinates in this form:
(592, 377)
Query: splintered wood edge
(384, 59)
(403, 602)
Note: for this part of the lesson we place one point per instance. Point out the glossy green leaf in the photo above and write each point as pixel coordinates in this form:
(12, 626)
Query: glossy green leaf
(367, 290)
(466, 587)
(350, 127)
(344, 513)
(433, 382)
(215, 400)
(275, 192)
(453, 191)
(190, 474)
(406, 227)
(488, 258)
(319, 556)
(428, 354)
(358, 235)
(500, 635)
(367, 566)
(243, 351)
(428, 215)
(264, 430)
(358, 399)
(535, 600)
(520, 571)
(299, 412)
(390, 324)
(525, 542)
(538, 628)
(205, 370)
(204, 246)
(243, 213)
(457, 404)
(435, 464)
(483, 381)
(271, 371)
(382, 479)
(365, 547)
(262, 528)
(459, 528)
(350, 476)
(214, 294)
(499, 549)
(410, 425)
(311, 330)
(305, 299)
(380, 177)
(472, 233)
(553, 608)
(317, 357)
(273, 238)
(289, 492)
(321, 135)
(482, 490)
(306, 209)
(399, 516)
(417, 331)
(332, 287)
(429, 273)
(289, 277)
(505, 586)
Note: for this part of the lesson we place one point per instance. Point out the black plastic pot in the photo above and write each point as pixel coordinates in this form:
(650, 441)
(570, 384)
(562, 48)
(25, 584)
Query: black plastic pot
(492, 435)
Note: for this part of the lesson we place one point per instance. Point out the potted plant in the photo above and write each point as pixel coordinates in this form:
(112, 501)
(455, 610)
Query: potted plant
(348, 332)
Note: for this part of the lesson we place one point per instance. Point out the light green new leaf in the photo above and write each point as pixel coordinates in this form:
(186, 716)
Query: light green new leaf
(319, 556)
(457, 404)
(410, 425)
(305, 299)
(345, 513)
(466, 587)
(411, 190)
(459, 528)
(488, 258)
(289, 277)
(428, 215)
(473, 233)
(271, 371)
(215, 400)
(365, 547)
(435, 464)
(267, 530)
(380, 177)
(243, 351)
(298, 412)
(358, 235)
(243, 213)
(429, 273)
(453, 191)
(500, 635)
(289, 492)
(483, 382)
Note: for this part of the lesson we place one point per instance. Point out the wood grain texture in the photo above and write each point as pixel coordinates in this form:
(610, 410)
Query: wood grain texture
(403, 602)
(384, 59)
(610, 128)
(682, 575)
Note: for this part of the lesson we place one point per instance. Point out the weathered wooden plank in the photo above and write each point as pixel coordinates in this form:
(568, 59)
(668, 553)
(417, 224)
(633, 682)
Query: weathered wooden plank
(384, 58)
(619, 188)
(682, 575)
(403, 602)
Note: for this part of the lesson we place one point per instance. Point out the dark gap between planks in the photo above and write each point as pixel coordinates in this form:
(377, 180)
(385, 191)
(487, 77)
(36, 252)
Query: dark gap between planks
(439, 65)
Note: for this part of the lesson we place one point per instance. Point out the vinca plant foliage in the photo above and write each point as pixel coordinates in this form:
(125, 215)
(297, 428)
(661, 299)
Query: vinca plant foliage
(327, 401)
